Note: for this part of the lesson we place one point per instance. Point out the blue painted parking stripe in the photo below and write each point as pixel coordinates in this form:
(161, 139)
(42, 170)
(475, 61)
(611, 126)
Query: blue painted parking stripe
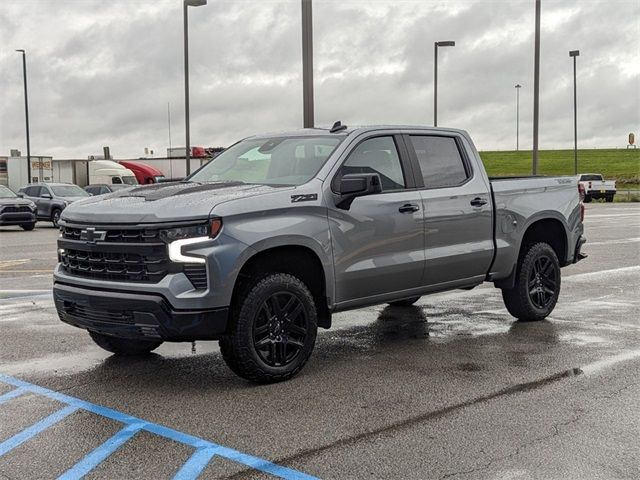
(100, 454)
(193, 467)
(198, 443)
(35, 429)
(16, 392)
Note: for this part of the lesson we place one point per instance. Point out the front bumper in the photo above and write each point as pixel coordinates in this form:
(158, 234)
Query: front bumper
(135, 315)
(17, 218)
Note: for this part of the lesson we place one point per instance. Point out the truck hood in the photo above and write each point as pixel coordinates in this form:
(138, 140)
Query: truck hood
(164, 202)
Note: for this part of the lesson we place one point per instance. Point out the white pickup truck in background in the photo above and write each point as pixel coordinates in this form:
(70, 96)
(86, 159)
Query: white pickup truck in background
(595, 187)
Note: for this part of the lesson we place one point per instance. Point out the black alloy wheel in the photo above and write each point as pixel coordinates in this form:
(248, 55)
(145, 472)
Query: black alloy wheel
(542, 282)
(280, 329)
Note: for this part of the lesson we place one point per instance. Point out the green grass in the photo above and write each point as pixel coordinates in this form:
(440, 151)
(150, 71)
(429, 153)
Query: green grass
(621, 165)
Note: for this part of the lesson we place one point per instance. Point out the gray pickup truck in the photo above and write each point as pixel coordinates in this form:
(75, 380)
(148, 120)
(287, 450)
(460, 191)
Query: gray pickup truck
(261, 245)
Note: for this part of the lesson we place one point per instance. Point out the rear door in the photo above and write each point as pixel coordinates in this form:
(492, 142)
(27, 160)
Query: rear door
(458, 210)
(378, 242)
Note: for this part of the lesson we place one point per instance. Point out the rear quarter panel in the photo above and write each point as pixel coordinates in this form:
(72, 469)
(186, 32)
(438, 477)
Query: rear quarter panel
(520, 203)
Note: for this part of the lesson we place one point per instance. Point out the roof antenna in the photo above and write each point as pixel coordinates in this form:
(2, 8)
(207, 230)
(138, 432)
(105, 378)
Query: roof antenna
(337, 127)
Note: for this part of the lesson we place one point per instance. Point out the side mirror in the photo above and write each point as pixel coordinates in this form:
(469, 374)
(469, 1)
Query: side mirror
(46, 195)
(355, 185)
(20, 194)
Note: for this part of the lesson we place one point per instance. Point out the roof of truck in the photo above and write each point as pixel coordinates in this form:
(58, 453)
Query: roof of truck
(349, 129)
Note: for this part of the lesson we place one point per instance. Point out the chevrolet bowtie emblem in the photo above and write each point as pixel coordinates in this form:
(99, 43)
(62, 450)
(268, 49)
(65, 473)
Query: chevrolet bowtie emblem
(91, 235)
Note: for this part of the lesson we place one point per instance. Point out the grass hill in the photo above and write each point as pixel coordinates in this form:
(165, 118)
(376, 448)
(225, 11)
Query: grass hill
(622, 165)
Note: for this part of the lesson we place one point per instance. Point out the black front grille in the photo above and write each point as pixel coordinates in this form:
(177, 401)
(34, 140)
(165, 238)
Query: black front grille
(121, 255)
(16, 209)
(136, 235)
(197, 275)
(117, 266)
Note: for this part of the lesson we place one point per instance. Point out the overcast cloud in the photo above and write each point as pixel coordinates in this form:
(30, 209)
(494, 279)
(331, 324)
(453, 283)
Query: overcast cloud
(102, 72)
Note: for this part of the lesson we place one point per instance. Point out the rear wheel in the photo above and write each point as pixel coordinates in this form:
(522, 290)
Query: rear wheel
(274, 329)
(28, 226)
(124, 346)
(537, 284)
(407, 302)
(55, 216)
(609, 198)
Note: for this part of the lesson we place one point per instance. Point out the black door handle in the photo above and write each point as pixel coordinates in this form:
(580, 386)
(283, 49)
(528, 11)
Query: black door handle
(409, 208)
(478, 202)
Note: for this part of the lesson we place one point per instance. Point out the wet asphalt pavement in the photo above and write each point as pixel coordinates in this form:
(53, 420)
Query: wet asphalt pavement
(451, 388)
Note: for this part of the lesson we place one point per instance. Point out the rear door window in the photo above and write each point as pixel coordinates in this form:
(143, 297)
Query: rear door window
(440, 161)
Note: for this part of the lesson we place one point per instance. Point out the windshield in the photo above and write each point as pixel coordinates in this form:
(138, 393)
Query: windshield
(129, 180)
(6, 192)
(68, 191)
(270, 161)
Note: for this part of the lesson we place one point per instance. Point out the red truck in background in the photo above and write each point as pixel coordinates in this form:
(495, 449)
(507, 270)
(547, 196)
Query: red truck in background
(144, 172)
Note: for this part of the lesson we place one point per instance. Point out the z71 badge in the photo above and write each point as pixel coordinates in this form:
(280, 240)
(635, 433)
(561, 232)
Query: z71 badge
(304, 198)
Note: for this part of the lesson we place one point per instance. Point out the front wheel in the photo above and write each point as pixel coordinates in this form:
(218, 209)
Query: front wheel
(55, 216)
(537, 284)
(274, 329)
(124, 346)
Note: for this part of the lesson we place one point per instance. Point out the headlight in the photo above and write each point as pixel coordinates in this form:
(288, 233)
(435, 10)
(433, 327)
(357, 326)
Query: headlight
(179, 237)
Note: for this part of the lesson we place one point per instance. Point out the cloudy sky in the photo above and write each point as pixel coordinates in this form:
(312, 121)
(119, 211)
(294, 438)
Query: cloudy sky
(101, 72)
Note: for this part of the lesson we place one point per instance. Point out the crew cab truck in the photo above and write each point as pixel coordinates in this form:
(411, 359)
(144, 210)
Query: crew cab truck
(596, 187)
(261, 245)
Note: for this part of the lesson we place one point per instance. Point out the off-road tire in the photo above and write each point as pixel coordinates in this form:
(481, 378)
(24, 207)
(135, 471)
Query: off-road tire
(28, 226)
(124, 346)
(407, 302)
(55, 216)
(518, 299)
(238, 347)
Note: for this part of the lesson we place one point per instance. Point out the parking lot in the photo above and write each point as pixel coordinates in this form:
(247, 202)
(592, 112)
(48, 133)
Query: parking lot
(450, 388)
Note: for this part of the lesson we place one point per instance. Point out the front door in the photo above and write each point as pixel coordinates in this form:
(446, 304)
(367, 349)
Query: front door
(378, 242)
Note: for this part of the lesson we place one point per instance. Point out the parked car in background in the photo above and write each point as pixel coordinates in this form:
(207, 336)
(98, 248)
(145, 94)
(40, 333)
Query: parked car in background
(144, 172)
(261, 245)
(52, 198)
(595, 187)
(103, 188)
(15, 210)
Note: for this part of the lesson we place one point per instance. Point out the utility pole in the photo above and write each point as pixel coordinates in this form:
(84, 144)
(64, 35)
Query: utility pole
(518, 87)
(26, 112)
(307, 64)
(536, 89)
(575, 54)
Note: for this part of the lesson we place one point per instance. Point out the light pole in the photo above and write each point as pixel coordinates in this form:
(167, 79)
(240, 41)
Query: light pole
(26, 111)
(448, 43)
(518, 87)
(186, 4)
(536, 89)
(574, 54)
(307, 65)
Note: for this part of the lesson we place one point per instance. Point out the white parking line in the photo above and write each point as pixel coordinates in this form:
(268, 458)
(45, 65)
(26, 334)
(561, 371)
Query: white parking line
(596, 367)
(619, 241)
